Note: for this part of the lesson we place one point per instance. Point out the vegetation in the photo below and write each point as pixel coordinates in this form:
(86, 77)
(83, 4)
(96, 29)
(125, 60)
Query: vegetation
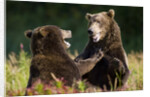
(21, 16)
(17, 74)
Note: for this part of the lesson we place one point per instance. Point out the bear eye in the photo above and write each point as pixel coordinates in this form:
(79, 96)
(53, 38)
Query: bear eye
(98, 22)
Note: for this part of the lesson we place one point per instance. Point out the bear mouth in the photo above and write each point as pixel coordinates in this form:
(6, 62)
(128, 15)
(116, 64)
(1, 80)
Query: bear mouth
(96, 37)
(67, 44)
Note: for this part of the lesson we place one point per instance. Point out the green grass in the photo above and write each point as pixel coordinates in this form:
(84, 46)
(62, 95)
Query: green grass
(17, 74)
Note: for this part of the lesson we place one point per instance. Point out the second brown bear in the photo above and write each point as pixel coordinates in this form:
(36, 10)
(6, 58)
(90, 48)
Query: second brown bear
(104, 33)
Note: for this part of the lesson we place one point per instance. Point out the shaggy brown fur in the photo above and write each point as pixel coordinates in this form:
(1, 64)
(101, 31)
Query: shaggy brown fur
(50, 56)
(104, 34)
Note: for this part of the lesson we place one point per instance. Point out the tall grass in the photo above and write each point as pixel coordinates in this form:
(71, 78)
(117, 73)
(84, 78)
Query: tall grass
(17, 74)
(17, 71)
(135, 81)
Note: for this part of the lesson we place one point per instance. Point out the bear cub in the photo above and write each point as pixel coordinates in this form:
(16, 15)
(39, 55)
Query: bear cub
(104, 33)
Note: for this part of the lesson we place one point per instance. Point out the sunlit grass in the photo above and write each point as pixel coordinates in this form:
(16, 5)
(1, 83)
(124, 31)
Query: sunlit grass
(135, 81)
(17, 74)
(17, 71)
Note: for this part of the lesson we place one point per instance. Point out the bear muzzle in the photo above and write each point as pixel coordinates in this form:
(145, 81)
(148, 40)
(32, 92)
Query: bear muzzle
(96, 37)
(90, 32)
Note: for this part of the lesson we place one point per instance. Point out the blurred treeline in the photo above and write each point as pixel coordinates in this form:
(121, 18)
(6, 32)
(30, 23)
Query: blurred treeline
(21, 16)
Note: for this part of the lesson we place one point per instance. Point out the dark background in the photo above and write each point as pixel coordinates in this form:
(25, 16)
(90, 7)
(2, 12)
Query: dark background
(21, 16)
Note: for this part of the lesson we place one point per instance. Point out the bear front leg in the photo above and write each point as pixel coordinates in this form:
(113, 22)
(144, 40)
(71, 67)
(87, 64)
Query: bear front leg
(119, 70)
(78, 58)
(84, 55)
(125, 76)
(87, 65)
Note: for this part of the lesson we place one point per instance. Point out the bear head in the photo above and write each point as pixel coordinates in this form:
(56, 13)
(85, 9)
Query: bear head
(45, 38)
(99, 24)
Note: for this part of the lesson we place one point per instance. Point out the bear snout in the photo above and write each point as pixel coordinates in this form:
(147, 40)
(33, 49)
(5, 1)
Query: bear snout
(90, 32)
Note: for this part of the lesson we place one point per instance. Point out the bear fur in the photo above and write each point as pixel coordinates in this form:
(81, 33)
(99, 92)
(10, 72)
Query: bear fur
(49, 56)
(104, 33)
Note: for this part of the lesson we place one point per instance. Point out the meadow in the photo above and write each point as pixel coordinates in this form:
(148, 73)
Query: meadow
(22, 16)
(17, 74)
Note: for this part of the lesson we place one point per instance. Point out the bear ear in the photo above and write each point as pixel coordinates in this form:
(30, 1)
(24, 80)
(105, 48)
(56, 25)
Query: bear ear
(88, 16)
(111, 13)
(28, 33)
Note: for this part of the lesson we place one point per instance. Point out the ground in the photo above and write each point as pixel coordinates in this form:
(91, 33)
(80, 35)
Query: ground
(17, 71)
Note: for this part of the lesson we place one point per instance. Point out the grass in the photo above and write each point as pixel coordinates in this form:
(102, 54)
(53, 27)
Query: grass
(17, 74)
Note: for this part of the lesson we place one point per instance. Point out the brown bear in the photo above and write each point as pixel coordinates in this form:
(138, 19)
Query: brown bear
(49, 56)
(104, 33)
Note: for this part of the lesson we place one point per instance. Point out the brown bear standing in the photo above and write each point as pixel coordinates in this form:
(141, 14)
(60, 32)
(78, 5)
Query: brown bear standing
(104, 33)
(50, 56)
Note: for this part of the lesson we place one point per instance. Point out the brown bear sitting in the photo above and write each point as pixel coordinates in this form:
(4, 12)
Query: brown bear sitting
(50, 56)
(104, 33)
